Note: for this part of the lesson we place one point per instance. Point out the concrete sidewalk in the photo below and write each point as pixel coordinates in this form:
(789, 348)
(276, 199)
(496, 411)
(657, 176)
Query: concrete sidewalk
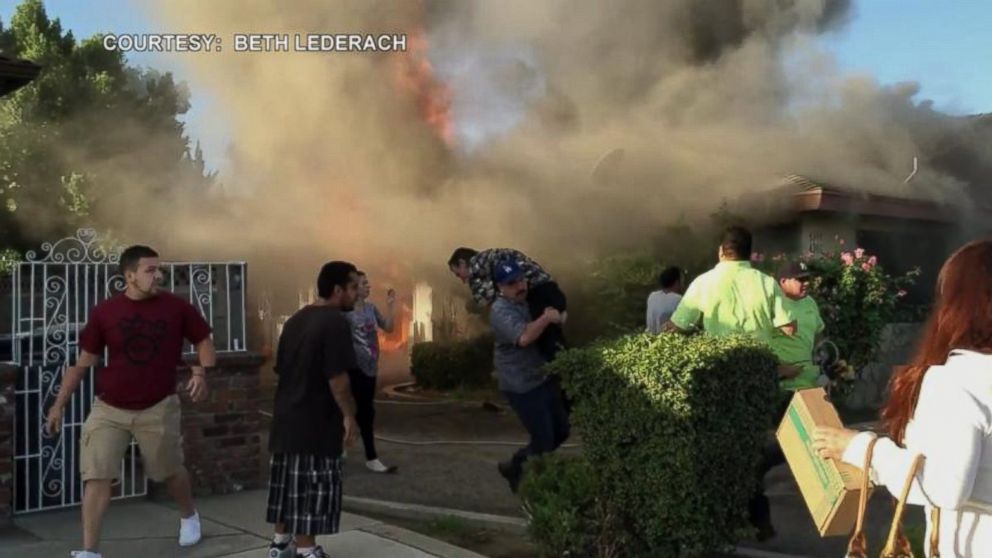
(233, 526)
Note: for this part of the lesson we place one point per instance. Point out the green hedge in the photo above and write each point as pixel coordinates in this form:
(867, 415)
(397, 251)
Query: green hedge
(672, 428)
(618, 289)
(453, 364)
(564, 510)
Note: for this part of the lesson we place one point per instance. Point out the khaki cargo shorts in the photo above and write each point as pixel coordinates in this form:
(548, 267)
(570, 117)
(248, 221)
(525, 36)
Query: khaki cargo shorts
(107, 433)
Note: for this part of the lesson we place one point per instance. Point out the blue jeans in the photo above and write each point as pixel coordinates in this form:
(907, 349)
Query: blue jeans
(542, 412)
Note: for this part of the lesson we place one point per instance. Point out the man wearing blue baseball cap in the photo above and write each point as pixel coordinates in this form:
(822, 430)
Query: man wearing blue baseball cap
(535, 398)
(477, 270)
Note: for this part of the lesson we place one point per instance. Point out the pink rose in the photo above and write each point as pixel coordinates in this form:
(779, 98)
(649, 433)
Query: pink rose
(840, 241)
(866, 267)
(873, 261)
(847, 258)
(901, 293)
(859, 253)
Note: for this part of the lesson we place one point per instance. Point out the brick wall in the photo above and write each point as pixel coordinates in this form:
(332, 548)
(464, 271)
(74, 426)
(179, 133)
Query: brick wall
(8, 380)
(221, 435)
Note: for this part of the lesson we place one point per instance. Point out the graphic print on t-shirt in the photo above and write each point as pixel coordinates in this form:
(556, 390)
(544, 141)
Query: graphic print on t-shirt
(142, 338)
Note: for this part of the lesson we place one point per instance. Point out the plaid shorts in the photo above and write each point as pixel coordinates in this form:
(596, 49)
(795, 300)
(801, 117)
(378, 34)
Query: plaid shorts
(305, 493)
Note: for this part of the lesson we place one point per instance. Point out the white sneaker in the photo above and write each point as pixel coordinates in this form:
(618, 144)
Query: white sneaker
(189, 530)
(377, 466)
(85, 554)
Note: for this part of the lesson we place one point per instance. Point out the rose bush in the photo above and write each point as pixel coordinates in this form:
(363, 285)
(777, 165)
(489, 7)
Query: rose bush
(856, 296)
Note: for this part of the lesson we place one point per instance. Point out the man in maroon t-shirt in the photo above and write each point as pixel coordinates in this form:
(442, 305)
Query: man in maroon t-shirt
(143, 330)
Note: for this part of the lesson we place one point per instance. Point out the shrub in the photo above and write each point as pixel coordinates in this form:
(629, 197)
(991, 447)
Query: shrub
(673, 428)
(566, 515)
(9, 258)
(857, 299)
(608, 295)
(449, 365)
(612, 296)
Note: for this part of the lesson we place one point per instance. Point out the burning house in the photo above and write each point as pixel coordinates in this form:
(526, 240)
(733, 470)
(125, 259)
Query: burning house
(905, 231)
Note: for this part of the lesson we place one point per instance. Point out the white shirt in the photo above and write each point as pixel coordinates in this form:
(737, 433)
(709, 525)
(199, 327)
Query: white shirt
(952, 428)
(661, 306)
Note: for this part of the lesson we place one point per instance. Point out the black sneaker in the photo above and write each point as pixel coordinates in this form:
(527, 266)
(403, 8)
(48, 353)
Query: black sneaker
(284, 550)
(765, 531)
(510, 473)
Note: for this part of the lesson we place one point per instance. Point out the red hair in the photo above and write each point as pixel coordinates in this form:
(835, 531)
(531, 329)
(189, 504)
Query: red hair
(961, 319)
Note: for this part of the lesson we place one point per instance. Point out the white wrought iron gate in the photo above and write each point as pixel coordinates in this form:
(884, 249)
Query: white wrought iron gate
(51, 297)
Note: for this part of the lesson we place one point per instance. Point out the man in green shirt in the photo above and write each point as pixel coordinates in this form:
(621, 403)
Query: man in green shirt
(733, 297)
(795, 352)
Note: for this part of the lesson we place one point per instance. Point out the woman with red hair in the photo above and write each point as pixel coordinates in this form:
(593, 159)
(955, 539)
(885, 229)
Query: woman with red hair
(941, 407)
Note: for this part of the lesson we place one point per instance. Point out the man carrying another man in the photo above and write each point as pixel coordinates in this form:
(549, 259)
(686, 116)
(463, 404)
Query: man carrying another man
(535, 398)
(477, 268)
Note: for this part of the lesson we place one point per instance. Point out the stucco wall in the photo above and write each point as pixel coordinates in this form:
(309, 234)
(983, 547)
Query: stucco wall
(898, 344)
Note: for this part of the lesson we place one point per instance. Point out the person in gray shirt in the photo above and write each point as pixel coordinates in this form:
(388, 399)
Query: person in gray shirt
(662, 303)
(366, 321)
(535, 398)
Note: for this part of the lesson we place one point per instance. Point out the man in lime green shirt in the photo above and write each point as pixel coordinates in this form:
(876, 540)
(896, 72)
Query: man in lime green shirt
(733, 297)
(797, 350)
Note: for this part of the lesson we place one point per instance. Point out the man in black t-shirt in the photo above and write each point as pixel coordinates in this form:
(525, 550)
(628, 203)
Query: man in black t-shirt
(314, 411)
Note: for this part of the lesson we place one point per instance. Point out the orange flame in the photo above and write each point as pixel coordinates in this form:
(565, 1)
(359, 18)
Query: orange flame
(433, 97)
(389, 342)
(395, 275)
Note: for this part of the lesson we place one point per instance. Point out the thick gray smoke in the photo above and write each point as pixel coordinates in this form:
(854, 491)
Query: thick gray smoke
(619, 117)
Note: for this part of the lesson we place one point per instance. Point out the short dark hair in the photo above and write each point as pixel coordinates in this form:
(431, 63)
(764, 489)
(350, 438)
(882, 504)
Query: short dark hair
(461, 254)
(132, 255)
(736, 242)
(669, 277)
(361, 273)
(334, 274)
